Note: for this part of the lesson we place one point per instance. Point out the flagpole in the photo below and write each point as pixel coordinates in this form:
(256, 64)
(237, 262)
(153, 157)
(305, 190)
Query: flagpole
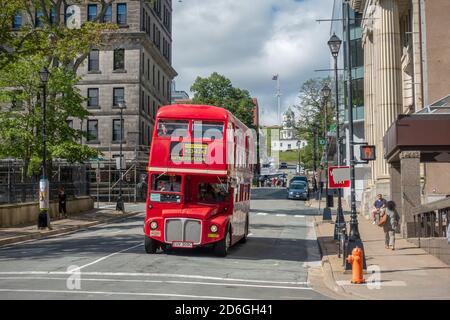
(279, 99)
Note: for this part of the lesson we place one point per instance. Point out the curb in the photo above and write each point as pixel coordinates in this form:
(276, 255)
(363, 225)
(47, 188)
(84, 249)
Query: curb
(328, 277)
(48, 234)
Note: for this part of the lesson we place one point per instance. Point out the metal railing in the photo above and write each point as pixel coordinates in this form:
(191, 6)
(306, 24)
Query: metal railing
(431, 220)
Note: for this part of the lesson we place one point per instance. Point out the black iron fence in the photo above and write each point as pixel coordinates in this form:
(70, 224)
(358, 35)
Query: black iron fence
(431, 220)
(16, 187)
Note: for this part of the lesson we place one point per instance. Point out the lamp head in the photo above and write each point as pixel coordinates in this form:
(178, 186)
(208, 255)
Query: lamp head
(44, 74)
(335, 44)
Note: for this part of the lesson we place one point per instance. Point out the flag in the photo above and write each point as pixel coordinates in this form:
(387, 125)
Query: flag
(275, 77)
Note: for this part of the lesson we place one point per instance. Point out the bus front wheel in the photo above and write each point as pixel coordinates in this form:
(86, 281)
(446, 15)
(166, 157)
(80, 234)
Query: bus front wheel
(221, 247)
(150, 245)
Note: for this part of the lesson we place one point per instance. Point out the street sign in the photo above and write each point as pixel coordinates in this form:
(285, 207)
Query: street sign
(332, 128)
(367, 153)
(322, 142)
(338, 177)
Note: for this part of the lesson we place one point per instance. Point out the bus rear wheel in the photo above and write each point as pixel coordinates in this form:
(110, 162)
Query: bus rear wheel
(150, 245)
(221, 247)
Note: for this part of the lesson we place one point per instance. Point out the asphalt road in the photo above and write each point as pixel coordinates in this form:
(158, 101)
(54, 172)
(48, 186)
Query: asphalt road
(273, 264)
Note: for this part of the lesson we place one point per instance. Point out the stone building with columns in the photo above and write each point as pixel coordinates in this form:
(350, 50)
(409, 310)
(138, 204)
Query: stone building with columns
(406, 68)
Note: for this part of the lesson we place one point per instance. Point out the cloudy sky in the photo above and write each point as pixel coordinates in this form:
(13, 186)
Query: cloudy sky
(249, 41)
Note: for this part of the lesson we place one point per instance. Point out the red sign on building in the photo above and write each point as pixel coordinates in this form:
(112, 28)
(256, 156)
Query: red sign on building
(338, 177)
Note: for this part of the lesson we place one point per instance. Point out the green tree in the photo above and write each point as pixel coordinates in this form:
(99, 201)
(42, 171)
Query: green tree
(23, 53)
(312, 109)
(21, 123)
(218, 91)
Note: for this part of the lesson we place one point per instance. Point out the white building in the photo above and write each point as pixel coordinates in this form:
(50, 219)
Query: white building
(287, 139)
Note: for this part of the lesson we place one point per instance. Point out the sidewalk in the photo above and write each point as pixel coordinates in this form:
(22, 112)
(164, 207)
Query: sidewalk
(60, 226)
(406, 273)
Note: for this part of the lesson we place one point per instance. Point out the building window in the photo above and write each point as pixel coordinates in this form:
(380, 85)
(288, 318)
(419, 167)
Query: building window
(168, 90)
(117, 133)
(17, 21)
(93, 60)
(92, 97)
(38, 18)
(119, 59)
(159, 80)
(92, 12)
(148, 105)
(52, 16)
(154, 109)
(118, 96)
(142, 100)
(148, 69)
(108, 14)
(92, 130)
(122, 13)
(153, 75)
(70, 123)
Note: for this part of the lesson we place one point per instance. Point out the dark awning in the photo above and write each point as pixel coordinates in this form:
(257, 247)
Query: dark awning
(428, 133)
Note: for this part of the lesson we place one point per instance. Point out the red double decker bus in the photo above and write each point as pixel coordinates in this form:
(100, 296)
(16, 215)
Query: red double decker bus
(200, 173)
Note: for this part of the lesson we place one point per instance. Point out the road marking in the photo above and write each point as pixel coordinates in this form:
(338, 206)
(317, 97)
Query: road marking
(299, 216)
(163, 281)
(280, 215)
(167, 275)
(261, 214)
(386, 283)
(108, 256)
(123, 293)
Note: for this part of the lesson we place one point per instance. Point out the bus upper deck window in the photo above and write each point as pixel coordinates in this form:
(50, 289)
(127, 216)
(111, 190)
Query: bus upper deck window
(207, 130)
(173, 128)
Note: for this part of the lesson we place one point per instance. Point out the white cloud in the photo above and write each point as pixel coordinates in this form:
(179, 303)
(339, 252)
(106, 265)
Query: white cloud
(248, 41)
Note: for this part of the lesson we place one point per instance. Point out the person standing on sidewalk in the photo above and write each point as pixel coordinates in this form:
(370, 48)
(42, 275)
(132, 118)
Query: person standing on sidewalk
(62, 197)
(390, 225)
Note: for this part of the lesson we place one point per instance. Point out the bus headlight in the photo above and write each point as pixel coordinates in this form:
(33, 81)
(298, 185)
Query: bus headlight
(213, 228)
(153, 225)
(150, 206)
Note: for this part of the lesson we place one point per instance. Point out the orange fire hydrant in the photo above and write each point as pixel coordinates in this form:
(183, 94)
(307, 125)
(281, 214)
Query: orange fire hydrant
(356, 260)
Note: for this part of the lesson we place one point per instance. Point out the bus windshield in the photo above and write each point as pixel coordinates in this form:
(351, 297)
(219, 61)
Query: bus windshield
(176, 128)
(165, 188)
(212, 192)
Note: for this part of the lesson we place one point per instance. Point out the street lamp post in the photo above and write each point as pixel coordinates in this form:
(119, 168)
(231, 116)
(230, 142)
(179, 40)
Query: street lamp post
(326, 215)
(315, 162)
(335, 44)
(44, 187)
(354, 239)
(120, 204)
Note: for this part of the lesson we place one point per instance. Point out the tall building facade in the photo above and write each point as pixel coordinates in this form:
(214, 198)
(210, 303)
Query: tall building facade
(406, 64)
(362, 171)
(135, 67)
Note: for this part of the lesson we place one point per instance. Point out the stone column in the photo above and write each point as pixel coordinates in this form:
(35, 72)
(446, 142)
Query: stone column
(388, 76)
(396, 186)
(410, 189)
(368, 93)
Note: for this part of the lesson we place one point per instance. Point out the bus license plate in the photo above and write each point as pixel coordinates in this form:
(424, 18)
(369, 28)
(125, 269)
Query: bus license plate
(182, 244)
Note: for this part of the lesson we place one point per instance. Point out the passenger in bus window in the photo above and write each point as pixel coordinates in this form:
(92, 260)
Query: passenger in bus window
(162, 130)
(174, 185)
(162, 186)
